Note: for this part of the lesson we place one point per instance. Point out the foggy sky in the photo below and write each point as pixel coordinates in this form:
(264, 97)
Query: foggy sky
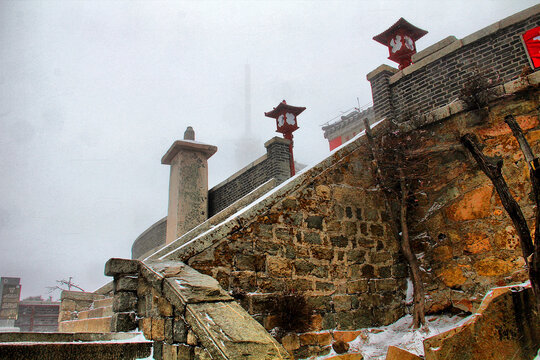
(93, 93)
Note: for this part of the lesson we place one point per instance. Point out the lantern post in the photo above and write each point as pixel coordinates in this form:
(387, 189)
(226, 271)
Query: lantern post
(400, 39)
(286, 123)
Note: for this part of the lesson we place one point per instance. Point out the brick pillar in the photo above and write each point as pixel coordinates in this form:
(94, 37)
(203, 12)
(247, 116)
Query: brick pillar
(188, 184)
(277, 151)
(381, 92)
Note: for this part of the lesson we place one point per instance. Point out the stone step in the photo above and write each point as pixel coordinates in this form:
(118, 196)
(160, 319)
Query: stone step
(103, 302)
(96, 313)
(94, 325)
(17, 346)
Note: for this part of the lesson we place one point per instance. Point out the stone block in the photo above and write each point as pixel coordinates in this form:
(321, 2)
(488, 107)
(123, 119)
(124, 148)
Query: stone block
(342, 302)
(322, 253)
(191, 338)
(452, 276)
(170, 352)
(168, 330)
(493, 267)
(125, 302)
(115, 267)
(312, 238)
(339, 241)
(158, 329)
(322, 339)
(278, 266)
(126, 283)
(201, 354)
(290, 342)
(145, 324)
(158, 350)
(395, 353)
(357, 286)
(314, 222)
(345, 336)
(185, 352)
(506, 327)
(473, 205)
(179, 331)
(164, 307)
(123, 322)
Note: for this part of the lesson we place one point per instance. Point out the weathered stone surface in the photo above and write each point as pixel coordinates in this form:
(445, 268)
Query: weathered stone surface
(493, 267)
(395, 353)
(452, 276)
(226, 328)
(290, 342)
(504, 327)
(126, 283)
(340, 347)
(185, 352)
(184, 285)
(117, 266)
(473, 205)
(321, 339)
(158, 329)
(122, 322)
(355, 356)
(179, 330)
(125, 301)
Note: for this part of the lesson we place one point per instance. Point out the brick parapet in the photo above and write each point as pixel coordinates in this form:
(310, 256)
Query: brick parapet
(436, 79)
(381, 92)
(274, 164)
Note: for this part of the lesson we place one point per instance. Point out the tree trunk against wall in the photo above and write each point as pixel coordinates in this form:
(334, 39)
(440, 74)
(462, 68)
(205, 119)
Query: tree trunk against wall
(399, 220)
(492, 168)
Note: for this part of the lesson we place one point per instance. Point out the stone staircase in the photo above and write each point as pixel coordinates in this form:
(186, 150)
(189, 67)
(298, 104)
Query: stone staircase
(70, 346)
(85, 312)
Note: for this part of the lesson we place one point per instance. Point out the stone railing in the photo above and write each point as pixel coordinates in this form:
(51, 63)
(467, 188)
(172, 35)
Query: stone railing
(186, 314)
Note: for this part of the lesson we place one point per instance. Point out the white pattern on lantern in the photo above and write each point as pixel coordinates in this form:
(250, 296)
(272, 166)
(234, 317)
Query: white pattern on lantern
(290, 119)
(396, 44)
(409, 43)
(280, 120)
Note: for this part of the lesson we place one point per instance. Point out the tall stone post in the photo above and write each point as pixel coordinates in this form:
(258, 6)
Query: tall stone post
(188, 184)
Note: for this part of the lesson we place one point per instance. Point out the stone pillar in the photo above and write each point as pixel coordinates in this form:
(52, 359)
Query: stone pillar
(381, 92)
(188, 184)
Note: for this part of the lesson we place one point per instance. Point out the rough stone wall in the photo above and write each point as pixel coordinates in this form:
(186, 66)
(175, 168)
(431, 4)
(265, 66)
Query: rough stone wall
(327, 239)
(324, 232)
(466, 238)
(274, 165)
(423, 88)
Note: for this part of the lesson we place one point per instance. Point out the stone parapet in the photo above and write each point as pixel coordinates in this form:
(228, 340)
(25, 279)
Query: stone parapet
(188, 315)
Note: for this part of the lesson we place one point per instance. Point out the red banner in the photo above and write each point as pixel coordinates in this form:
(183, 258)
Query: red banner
(531, 40)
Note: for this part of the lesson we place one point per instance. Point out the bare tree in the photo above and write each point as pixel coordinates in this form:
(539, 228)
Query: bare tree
(64, 285)
(399, 173)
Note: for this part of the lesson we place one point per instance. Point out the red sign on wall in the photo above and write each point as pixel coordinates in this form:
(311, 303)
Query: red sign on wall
(531, 41)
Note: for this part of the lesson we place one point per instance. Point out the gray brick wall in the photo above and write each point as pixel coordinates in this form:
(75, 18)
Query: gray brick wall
(438, 83)
(276, 165)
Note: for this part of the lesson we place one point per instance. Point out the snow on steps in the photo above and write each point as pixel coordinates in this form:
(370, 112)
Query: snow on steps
(85, 312)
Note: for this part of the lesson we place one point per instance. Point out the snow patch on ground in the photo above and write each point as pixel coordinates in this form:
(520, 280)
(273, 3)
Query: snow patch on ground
(373, 342)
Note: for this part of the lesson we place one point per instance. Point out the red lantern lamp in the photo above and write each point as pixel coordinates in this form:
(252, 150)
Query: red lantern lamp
(400, 39)
(531, 41)
(286, 123)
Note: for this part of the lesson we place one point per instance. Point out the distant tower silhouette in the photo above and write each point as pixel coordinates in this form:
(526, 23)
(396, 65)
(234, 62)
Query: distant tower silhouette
(248, 147)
